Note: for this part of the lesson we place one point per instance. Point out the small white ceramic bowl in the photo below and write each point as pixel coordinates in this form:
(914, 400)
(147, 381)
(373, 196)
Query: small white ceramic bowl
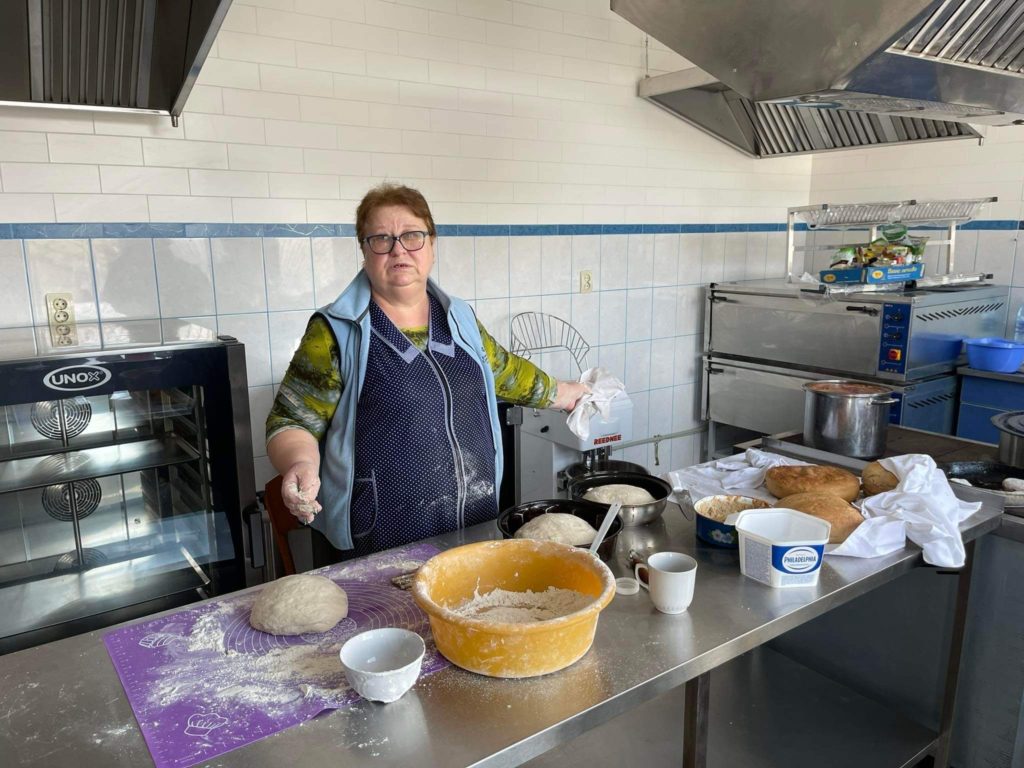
(382, 664)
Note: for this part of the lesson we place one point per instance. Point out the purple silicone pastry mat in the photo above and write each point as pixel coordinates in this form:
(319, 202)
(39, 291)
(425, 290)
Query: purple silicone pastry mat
(203, 682)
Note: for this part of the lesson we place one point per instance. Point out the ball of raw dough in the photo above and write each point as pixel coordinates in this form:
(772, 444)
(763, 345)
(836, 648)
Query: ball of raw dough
(293, 605)
(627, 495)
(559, 527)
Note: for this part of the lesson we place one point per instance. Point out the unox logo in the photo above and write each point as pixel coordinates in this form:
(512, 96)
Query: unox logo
(800, 559)
(74, 378)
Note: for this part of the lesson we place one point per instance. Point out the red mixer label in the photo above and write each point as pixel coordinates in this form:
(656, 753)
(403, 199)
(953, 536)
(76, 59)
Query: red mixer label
(607, 439)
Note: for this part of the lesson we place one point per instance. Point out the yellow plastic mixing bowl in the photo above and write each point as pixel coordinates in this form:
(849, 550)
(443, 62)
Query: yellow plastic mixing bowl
(502, 649)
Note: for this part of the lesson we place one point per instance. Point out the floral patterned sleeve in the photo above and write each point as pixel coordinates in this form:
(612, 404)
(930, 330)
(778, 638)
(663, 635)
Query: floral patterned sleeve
(516, 379)
(312, 386)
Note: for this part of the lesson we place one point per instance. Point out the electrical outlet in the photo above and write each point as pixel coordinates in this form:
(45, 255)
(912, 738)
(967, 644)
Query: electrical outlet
(60, 311)
(586, 281)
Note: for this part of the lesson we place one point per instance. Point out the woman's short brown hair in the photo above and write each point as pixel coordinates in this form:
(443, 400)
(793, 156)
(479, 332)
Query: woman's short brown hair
(393, 194)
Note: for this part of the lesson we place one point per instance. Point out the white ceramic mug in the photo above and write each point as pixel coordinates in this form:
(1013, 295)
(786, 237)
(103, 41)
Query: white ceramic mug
(670, 580)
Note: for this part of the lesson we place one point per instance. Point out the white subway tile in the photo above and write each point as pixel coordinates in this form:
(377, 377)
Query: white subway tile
(240, 18)
(77, 208)
(305, 82)
(459, 168)
(490, 10)
(238, 130)
(125, 278)
(735, 260)
(230, 74)
(376, 89)
(664, 312)
(638, 368)
(331, 58)
(247, 157)
(238, 275)
(330, 211)
(329, 161)
(189, 209)
(293, 26)
(303, 185)
(258, 49)
(612, 357)
(185, 154)
(614, 261)
(289, 273)
(363, 37)
(666, 259)
(26, 208)
(15, 306)
(397, 117)
(261, 211)
(202, 98)
(286, 133)
(336, 260)
(451, 121)
(396, 67)
(259, 103)
(184, 276)
(487, 192)
(369, 139)
(61, 266)
(690, 256)
(540, 64)
(228, 183)
(511, 213)
(400, 166)
(428, 143)
(512, 127)
(687, 358)
(457, 266)
(111, 150)
(350, 10)
(492, 267)
(712, 265)
(141, 180)
(538, 193)
(254, 332)
(431, 47)
(337, 111)
(536, 18)
(286, 330)
(474, 100)
(49, 120)
(43, 177)
(23, 147)
(494, 315)
(458, 27)
(395, 17)
(641, 261)
(685, 409)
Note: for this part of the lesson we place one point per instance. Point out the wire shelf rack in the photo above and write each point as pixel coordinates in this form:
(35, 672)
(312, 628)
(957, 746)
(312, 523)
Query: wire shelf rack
(909, 212)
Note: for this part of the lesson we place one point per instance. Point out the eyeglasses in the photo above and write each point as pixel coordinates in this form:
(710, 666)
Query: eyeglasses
(381, 244)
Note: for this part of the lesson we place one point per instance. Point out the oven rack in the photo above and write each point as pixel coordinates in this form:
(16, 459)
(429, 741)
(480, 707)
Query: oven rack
(871, 215)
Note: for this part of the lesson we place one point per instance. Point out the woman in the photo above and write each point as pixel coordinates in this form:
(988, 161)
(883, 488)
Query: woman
(385, 427)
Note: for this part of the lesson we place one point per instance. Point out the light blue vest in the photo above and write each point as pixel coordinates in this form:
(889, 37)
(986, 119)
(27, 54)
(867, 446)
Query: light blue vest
(349, 319)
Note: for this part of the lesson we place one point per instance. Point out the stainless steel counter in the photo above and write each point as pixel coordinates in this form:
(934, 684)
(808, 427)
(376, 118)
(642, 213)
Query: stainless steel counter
(62, 703)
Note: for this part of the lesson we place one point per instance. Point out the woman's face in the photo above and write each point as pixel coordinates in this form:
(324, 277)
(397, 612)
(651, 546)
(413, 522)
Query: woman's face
(398, 268)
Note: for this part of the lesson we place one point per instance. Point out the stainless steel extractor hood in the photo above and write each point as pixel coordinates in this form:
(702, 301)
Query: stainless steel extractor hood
(125, 55)
(776, 77)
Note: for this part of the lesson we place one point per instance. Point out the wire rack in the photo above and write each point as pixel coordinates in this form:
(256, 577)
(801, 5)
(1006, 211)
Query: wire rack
(908, 212)
(534, 332)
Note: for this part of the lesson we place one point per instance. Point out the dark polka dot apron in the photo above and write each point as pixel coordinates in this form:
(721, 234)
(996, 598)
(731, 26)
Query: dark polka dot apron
(424, 451)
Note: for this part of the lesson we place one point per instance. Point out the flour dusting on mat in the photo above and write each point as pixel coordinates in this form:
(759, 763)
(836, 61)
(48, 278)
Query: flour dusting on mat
(523, 607)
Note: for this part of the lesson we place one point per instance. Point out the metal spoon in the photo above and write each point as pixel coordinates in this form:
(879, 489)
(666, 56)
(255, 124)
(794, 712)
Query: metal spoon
(613, 510)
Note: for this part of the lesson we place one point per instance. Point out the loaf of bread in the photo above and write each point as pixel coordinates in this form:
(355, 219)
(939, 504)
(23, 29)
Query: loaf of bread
(877, 479)
(844, 516)
(785, 481)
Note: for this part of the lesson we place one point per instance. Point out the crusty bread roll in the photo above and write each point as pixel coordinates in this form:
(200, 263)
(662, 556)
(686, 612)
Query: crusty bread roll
(844, 516)
(785, 481)
(878, 479)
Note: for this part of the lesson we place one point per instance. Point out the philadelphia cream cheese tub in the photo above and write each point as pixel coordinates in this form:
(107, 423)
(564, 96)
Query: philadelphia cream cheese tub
(781, 547)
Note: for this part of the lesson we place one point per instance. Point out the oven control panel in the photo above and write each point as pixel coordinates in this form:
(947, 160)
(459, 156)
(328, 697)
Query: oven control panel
(892, 355)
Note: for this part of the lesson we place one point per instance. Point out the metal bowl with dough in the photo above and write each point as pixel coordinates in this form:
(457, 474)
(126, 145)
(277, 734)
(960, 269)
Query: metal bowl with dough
(631, 514)
(514, 518)
(505, 649)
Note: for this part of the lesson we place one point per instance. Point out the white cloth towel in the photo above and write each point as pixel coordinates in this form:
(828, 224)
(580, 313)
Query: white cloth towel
(741, 475)
(922, 508)
(604, 387)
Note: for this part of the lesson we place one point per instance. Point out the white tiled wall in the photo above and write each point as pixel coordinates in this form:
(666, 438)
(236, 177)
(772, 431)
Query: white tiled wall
(642, 320)
(504, 111)
(943, 170)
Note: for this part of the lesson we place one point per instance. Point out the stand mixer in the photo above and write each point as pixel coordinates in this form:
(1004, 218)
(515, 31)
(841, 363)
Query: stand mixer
(547, 453)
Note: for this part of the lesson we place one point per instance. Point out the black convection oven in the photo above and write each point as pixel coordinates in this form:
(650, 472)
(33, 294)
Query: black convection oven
(124, 470)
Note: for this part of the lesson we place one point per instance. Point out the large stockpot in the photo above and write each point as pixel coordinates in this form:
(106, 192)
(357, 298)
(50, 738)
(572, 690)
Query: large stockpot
(849, 418)
(1011, 437)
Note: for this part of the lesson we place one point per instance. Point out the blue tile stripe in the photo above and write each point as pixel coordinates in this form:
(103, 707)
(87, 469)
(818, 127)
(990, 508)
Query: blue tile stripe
(148, 230)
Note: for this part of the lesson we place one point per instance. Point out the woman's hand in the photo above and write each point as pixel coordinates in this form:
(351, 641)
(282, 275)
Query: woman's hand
(296, 455)
(299, 487)
(568, 394)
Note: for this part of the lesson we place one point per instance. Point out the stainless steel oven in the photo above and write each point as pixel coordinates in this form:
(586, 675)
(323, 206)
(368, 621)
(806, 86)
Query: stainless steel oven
(892, 336)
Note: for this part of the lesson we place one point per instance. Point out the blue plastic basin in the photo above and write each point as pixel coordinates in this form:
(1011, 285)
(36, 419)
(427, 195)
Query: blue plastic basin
(992, 354)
